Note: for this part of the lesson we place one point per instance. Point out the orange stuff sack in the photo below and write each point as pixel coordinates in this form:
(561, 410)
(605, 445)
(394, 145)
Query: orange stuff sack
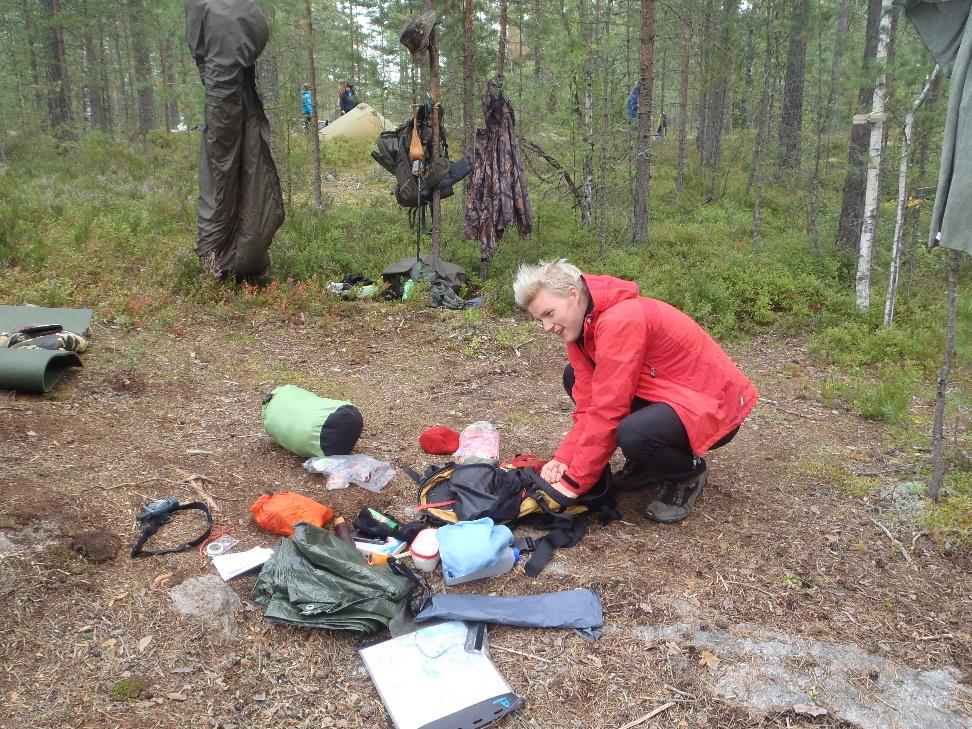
(278, 513)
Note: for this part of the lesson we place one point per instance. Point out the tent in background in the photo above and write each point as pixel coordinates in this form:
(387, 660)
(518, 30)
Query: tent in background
(362, 122)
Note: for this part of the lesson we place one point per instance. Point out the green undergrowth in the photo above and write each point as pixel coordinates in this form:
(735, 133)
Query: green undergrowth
(111, 226)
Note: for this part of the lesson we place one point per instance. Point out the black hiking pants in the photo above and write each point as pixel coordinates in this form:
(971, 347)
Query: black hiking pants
(653, 437)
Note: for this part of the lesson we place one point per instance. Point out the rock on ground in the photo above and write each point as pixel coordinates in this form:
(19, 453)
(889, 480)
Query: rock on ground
(210, 599)
(766, 671)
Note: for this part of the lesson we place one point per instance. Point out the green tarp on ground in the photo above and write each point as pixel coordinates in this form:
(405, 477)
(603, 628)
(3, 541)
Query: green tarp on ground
(317, 581)
(38, 370)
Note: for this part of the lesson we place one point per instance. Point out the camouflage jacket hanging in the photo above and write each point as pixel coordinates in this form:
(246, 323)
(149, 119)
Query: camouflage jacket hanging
(498, 195)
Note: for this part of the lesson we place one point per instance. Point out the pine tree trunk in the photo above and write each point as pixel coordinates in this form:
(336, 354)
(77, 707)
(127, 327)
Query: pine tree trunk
(661, 95)
(585, 112)
(758, 165)
(683, 105)
(123, 102)
(875, 150)
(59, 110)
(468, 82)
(715, 104)
(31, 39)
(267, 70)
(837, 60)
(791, 109)
(97, 98)
(537, 40)
(143, 69)
(705, 83)
(315, 126)
(944, 374)
(639, 232)
(170, 102)
(744, 108)
(501, 62)
(606, 135)
(899, 221)
(851, 216)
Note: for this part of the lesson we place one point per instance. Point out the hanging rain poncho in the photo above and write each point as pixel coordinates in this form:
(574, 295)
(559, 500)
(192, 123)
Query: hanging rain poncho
(240, 204)
(498, 196)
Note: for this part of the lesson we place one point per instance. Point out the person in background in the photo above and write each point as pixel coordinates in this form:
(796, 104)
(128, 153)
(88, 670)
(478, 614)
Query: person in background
(307, 105)
(349, 99)
(644, 377)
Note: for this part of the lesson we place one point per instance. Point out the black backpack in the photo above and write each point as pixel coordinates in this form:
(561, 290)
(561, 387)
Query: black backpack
(465, 492)
(392, 154)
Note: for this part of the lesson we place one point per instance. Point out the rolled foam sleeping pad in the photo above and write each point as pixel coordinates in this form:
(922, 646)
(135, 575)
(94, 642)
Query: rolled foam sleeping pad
(38, 370)
(34, 370)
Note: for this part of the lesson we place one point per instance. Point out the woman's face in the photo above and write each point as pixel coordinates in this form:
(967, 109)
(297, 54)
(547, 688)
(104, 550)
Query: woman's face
(562, 316)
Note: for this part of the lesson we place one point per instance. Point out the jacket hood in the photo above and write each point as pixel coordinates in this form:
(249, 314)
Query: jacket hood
(606, 291)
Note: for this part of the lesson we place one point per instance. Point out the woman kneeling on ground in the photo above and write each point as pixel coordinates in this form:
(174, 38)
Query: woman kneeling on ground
(644, 377)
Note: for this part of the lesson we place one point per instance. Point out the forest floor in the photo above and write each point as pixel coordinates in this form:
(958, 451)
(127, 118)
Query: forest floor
(785, 541)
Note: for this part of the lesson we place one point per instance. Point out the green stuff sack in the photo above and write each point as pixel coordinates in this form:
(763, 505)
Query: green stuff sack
(309, 425)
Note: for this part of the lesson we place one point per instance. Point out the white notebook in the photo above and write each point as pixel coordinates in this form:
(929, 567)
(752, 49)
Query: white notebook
(236, 563)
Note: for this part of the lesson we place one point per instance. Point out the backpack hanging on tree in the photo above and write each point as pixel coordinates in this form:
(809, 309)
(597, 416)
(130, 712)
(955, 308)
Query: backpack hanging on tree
(392, 153)
(470, 491)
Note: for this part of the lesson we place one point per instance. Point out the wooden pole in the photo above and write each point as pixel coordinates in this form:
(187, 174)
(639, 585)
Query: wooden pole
(436, 137)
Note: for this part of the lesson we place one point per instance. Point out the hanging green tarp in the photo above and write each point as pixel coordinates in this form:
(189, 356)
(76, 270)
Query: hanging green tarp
(945, 29)
(317, 581)
(240, 204)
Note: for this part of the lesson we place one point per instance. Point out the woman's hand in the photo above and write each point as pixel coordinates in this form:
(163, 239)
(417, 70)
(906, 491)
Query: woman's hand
(553, 471)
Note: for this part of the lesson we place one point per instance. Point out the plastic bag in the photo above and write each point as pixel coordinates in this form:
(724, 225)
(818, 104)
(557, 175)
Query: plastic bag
(341, 471)
(478, 443)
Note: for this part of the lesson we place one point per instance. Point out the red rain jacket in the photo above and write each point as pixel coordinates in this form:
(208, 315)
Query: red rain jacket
(648, 349)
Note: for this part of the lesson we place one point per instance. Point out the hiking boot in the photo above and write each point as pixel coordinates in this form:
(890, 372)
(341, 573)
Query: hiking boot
(676, 500)
(633, 476)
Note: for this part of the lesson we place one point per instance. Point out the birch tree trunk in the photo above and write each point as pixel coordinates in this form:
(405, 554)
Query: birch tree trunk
(639, 232)
(938, 426)
(315, 127)
(899, 221)
(875, 149)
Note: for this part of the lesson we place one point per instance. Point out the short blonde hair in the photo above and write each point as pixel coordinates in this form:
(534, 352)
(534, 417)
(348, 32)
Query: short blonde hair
(557, 277)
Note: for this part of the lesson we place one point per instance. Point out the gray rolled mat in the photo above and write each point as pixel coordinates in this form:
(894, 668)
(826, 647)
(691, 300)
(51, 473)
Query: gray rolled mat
(579, 609)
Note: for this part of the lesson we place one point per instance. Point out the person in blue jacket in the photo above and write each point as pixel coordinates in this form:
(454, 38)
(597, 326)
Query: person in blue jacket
(349, 99)
(307, 105)
(631, 105)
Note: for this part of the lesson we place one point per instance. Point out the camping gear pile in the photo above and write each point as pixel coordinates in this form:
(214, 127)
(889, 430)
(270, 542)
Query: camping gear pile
(377, 572)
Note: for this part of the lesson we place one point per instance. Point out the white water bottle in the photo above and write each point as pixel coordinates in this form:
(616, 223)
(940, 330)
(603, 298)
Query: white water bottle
(500, 566)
